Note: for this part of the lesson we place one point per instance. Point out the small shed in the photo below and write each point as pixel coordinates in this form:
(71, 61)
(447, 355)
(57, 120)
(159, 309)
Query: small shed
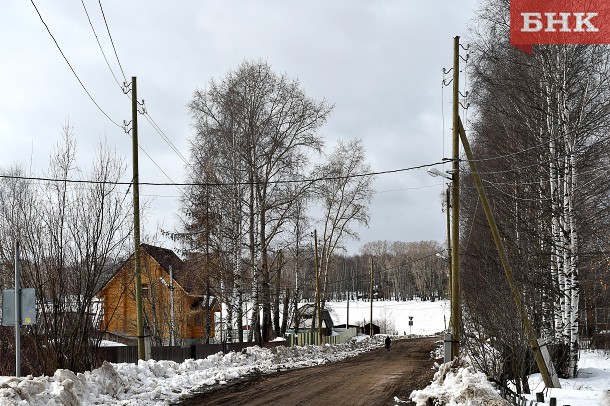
(359, 329)
(367, 329)
(303, 319)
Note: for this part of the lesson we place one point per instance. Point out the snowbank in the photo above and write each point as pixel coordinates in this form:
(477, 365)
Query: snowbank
(162, 382)
(590, 388)
(457, 383)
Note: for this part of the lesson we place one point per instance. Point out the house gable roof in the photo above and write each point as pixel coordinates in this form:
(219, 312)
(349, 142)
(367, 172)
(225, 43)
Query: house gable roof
(165, 257)
(183, 275)
(305, 313)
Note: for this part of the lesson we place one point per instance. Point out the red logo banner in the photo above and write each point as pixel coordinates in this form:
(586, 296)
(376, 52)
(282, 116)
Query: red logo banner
(535, 22)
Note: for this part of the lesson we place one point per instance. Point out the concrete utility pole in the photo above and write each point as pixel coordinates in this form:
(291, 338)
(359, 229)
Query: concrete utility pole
(136, 221)
(371, 299)
(456, 318)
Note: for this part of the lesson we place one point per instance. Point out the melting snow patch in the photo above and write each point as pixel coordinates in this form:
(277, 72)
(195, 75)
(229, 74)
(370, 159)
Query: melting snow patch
(457, 383)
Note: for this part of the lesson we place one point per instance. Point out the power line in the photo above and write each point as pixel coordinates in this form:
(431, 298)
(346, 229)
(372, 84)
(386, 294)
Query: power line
(158, 167)
(545, 142)
(144, 113)
(312, 180)
(93, 100)
(159, 131)
(111, 41)
(100, 45)
(70, 65)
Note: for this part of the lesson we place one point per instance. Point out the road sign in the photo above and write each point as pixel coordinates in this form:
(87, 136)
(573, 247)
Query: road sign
(27, 303)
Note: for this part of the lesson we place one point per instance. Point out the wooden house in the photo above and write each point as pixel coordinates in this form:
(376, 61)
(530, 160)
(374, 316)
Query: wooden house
(190, 310)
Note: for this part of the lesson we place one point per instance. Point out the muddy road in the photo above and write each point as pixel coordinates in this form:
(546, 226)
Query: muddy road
(374, 378)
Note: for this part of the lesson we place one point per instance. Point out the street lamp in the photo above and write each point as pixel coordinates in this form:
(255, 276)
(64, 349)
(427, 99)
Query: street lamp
(435, 172)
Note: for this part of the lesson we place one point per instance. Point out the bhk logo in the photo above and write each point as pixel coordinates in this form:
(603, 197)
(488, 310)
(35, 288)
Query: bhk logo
(535, 22)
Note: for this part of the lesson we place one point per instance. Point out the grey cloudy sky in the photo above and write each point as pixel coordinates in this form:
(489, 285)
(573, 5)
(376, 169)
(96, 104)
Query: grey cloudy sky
(379, 62)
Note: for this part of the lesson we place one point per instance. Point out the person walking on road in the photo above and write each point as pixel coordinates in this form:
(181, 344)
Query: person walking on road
(387, 343)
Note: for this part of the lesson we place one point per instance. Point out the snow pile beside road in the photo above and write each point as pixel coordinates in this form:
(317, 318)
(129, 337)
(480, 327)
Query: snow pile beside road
(162, 382)
(590, 388)
(457, 383)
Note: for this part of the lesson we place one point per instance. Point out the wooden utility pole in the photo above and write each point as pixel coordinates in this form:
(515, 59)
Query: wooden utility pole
(371, 299)
(136, 220)
(548, 374)
(449, 250)
(318, 309)
(456, 318)
(347, 322)
(172, 314)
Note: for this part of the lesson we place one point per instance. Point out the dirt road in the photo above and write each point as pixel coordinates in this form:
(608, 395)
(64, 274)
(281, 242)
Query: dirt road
(373, 378)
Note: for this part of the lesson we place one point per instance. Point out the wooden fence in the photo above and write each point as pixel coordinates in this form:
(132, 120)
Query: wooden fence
(175, 353)
(312, 338)
(519, 400)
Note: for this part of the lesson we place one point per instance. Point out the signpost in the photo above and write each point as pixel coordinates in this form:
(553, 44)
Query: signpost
(18, 309)
(27, 307)
(410, 324)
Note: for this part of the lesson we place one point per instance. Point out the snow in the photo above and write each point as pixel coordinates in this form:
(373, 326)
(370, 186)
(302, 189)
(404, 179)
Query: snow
(457, 383)
(163, 382)
(590, 387)
(428, 317)
(106, 343)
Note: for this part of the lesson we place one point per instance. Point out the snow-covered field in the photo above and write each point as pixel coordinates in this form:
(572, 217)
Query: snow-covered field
(162, 382)
(428, 317)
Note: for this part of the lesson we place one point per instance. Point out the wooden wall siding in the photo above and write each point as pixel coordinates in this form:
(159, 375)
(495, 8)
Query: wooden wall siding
(120, 305)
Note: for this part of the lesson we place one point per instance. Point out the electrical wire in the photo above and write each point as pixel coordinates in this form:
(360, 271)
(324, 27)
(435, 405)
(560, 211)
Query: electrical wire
(543, 143)
(111, 40)
(71, 68)
(159, 131)
(100, 45)
(89, 94)
(513, 196)
(312, 180)
(158, 167)
(514, 170)
(145, 114)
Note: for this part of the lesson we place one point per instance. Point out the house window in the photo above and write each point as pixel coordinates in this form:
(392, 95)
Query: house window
(145, 290)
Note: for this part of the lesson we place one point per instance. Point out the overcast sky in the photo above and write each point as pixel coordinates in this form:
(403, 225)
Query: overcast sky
(379, 62)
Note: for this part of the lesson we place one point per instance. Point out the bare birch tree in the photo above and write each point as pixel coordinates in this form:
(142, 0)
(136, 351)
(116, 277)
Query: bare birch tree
(261, 127)
(345, 191)
(541, 122)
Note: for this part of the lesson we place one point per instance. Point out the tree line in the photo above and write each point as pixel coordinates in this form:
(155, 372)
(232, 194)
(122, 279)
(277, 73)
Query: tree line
(540, 138)
(260, 181)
